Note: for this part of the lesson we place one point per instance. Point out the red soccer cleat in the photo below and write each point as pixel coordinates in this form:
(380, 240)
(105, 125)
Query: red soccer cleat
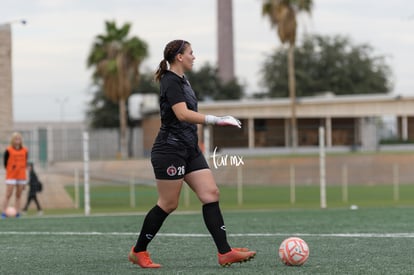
(236, 255)
(142, 259)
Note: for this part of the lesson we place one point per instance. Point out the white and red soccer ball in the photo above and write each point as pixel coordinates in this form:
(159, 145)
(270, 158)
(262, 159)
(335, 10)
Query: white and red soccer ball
(11, 212)
(294, 251)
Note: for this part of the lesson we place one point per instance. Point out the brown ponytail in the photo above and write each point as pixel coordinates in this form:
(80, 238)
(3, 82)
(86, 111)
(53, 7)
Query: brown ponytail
(170, 52)
(161, 70)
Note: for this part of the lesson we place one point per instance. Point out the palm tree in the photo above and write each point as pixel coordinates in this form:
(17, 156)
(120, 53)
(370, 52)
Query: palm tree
(116, 58)
(282, 15)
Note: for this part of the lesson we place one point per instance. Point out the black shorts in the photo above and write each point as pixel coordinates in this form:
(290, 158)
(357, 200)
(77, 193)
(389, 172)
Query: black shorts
(170, 163)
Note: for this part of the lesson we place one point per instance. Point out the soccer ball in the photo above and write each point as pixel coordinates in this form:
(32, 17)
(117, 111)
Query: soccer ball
(294, 251)
(11, 211)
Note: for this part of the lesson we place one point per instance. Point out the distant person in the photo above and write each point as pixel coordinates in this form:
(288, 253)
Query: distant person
(176, 157)
(15, 163)
(35, 186)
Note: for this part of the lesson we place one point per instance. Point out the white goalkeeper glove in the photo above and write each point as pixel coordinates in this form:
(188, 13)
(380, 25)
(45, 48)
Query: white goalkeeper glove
(222, 121)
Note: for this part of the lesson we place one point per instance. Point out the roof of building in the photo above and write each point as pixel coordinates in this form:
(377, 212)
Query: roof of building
(317, 106)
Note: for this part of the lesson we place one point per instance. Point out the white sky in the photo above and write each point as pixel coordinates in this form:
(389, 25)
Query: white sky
(49, 53)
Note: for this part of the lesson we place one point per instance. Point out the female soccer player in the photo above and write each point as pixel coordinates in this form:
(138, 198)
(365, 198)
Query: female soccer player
(176, 158)
(15, 163)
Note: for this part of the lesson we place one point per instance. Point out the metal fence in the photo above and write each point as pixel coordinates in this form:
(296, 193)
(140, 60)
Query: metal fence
(48, 145)
(55, 144)
(60, 152)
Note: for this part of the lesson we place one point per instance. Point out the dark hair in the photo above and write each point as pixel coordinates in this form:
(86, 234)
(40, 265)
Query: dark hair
(170, 52)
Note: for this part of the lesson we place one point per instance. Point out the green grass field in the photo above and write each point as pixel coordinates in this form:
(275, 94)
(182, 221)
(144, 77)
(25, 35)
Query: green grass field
(109, 198)
(341, 241)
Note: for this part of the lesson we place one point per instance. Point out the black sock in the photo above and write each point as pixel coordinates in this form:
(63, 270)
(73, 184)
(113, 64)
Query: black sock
(152, 223)
(215, 225)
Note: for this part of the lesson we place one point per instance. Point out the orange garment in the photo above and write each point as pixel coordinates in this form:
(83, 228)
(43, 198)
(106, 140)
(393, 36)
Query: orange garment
(16, 163)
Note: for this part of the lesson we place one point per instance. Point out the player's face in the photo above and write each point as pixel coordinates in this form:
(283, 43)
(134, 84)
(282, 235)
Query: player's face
(17, 141)
(187, 58)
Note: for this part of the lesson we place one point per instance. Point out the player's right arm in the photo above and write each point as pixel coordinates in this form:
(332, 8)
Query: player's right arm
(184, 114)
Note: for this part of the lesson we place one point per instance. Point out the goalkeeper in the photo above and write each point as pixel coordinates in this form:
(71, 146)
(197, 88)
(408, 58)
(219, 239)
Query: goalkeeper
(176, 157)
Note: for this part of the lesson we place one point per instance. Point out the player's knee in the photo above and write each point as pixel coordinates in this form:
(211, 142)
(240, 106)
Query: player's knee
(215, 193)
(211, 195)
